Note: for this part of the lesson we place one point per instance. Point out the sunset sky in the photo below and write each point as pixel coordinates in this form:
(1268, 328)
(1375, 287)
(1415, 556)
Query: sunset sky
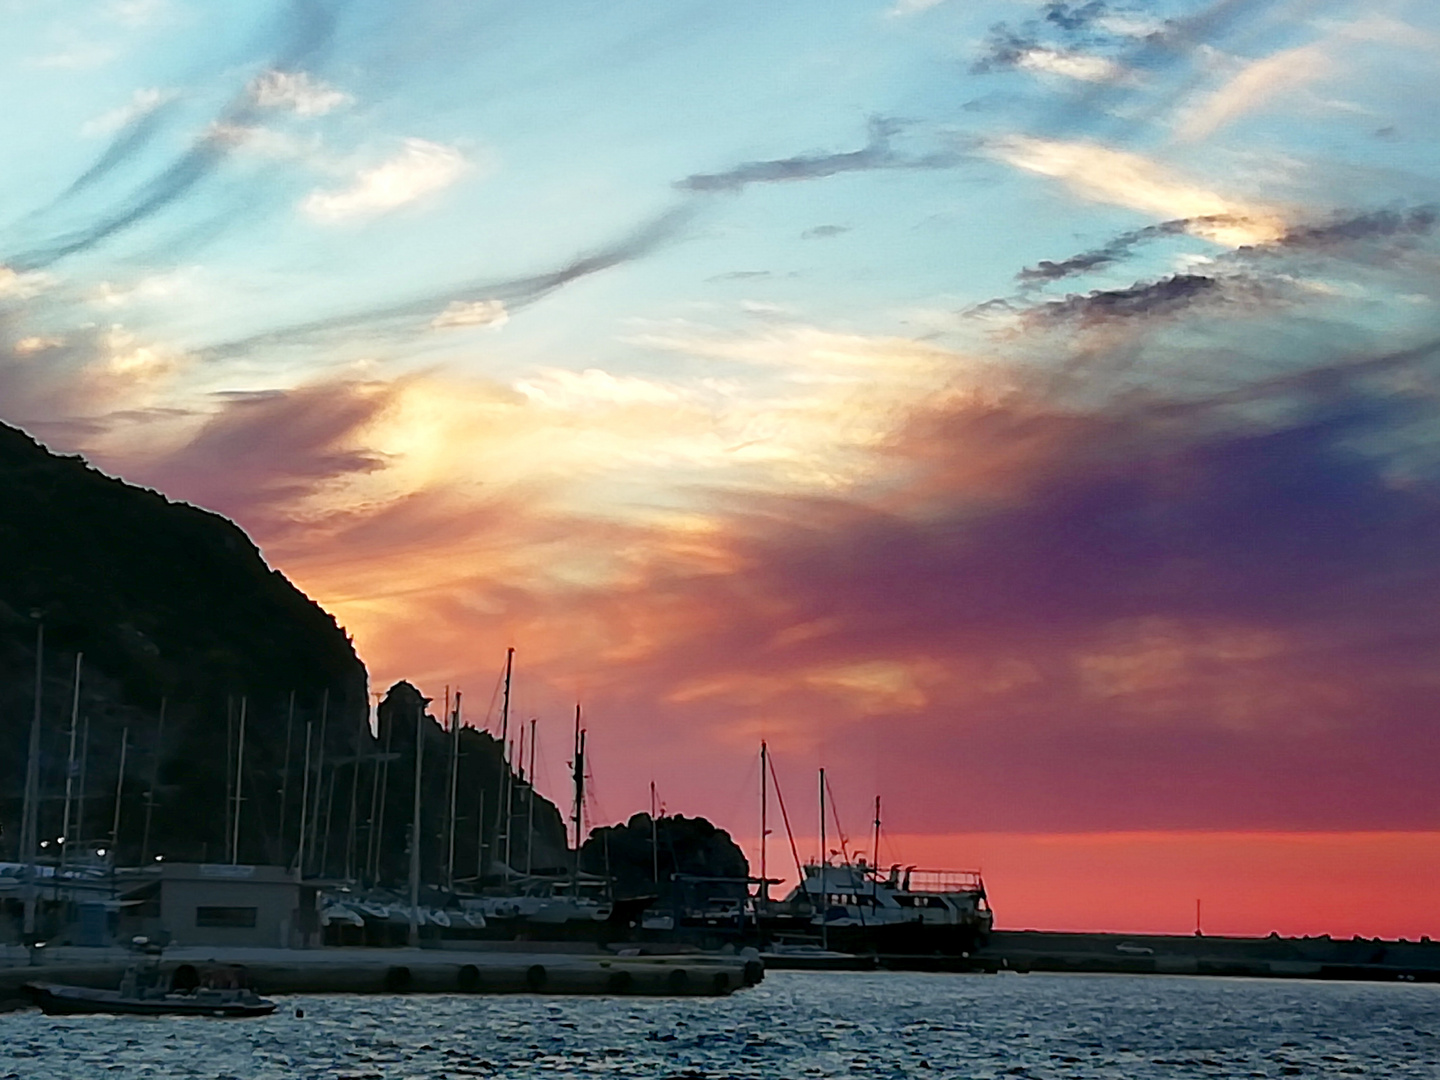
(1029, 411)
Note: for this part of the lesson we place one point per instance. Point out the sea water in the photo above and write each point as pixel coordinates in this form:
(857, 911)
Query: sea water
(795, 1024)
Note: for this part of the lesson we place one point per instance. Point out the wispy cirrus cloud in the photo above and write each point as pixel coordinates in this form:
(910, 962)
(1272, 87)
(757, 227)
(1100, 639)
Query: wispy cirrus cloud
(877, 153)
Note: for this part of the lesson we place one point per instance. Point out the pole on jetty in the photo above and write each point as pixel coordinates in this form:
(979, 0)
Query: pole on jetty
(30, 815)
(154, 782)
(119, 792)
(239, 774)
(415, 827)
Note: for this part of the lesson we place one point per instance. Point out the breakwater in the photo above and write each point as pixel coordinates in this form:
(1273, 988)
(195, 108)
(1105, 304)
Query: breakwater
(1369, 959)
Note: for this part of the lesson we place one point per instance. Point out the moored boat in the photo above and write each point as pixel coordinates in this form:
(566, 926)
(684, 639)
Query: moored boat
(55, 999)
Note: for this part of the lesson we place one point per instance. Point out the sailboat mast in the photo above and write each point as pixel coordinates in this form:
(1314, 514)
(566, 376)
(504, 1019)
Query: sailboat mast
(415, 827)
(66, 838)
(284, 768)
(155, 781)
(454, 781)
(824, 901)
(578, 779)
(304, 802)
(764, 821)
(84, 778)
(119, 790)
(319, 776)
(530, 806)
(654, 837)
(239, 772)
(378, 829)
(503, 825)
(30, 817)
(875, 858)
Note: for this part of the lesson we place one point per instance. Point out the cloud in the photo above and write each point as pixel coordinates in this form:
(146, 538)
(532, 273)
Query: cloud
(304, 31)
(1096, 69)
(298, 92)
(23, 285)
(29, 345)
(472, 313)
(824, 232)
(1103, 174)
(142, 102)
(260, 456)
(136, 12)
(876, 154)
(1008, 50)
(570, 390)
(421, 168)
(1341, 236)
(914, 7)
(1166, 297)
(1253, 87)
(412, 314)
(79, 56)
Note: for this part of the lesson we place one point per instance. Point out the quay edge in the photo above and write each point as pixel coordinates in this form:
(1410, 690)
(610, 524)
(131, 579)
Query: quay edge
(396, 971)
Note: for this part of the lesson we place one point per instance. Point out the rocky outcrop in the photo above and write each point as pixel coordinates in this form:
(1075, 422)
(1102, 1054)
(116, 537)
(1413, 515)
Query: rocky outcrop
(169, 604)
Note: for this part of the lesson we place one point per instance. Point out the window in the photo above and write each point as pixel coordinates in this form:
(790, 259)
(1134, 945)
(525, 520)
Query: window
(242, 918)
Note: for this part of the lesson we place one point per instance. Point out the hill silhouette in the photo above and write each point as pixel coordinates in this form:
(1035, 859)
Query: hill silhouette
(174, 609)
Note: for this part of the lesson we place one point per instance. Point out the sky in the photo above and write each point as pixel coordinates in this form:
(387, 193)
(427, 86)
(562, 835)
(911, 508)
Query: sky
(1026, 411)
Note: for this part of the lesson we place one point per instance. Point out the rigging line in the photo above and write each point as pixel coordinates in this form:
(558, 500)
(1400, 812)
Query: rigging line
(541, 769)
(785, 817)
(494, 698)
(740, 800)
(592, 799)
(839, 829)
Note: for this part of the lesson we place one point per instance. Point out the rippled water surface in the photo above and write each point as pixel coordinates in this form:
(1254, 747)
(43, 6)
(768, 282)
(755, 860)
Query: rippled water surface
(793, 1025)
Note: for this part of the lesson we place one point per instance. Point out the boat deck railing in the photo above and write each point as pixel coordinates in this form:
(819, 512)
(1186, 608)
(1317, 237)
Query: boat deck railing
(942, 881)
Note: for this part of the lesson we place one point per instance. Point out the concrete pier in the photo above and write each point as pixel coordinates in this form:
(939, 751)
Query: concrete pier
(397, 971)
